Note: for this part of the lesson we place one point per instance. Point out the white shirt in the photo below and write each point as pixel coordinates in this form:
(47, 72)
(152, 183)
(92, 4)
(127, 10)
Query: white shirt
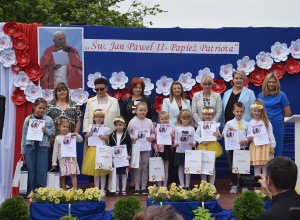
(242, 132)
(118, 138)
(269, 131)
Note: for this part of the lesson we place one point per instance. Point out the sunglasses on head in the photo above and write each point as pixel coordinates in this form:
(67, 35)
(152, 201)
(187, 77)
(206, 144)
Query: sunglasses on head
(99, 89)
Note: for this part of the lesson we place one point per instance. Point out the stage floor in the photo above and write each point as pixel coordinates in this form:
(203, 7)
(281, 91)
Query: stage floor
(226, 199)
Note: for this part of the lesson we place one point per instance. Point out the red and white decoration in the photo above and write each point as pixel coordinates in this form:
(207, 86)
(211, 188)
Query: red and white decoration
(163, 85)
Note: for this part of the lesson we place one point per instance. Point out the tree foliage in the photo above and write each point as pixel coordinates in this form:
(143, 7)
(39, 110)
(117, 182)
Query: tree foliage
(90, 12)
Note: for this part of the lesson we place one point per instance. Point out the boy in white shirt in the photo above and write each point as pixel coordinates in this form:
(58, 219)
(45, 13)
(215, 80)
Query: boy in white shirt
(241, 125)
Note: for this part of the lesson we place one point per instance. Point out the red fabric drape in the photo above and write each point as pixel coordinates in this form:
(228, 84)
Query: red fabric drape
(30, 31)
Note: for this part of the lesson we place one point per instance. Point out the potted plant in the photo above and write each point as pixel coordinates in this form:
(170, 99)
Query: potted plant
(202, 214)
(248, 206)
(126, 208)
(14, 208)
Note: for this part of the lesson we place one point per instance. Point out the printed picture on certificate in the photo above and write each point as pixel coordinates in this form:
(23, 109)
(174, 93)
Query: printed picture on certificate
(120, 156)
(34, 132)
(142, 141)
(96, 130)
(260, 134)
(207, 130)
(232, 139)
(164, 134)
(184, 141)
(68, 146)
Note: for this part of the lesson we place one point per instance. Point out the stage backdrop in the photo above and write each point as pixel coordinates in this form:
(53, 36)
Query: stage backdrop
(107, 55)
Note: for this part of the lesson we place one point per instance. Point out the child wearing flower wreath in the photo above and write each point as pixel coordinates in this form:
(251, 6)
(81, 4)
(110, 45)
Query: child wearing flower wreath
(88, 163)
(121, 137)
(208, 114)
(260, 154)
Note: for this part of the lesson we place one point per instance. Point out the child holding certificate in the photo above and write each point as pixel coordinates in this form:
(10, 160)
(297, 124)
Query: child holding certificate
(260, 132)
(37, 130)
(88, 163)
(184, 140)
(141, 131)
(120, 137)
(207, 135)
(234, 128)
(68, 165)
(166, 131)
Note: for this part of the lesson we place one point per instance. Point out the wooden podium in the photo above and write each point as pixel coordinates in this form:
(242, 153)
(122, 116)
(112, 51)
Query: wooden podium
(296, 119)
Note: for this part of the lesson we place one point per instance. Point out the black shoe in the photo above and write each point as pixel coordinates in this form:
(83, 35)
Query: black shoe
(136, 192)
(144, 192)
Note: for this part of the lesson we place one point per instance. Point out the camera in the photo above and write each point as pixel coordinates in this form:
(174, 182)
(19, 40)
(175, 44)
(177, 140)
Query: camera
(249, 181)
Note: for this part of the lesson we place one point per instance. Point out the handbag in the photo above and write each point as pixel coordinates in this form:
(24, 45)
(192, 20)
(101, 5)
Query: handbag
(112, 180)
(135, 156)
(17, 174)
(241, 162)
(193, 162)
(208, 162)
(103, 158)
(156, 169)
(23, 181)
(53, 179)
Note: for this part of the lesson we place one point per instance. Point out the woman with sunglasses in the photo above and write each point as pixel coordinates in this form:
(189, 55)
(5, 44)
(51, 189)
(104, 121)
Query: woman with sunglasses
(102, 101)
(204, 98)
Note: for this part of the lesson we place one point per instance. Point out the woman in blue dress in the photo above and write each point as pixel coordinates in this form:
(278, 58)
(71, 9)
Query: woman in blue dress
(277, 107)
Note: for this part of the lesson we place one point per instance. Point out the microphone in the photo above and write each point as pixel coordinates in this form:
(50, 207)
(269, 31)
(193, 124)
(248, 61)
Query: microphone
(69, 50)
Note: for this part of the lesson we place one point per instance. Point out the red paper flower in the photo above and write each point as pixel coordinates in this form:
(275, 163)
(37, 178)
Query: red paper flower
(18, 97)
(125, 93)
(11, 29)
(278, 69)
(185, 95)
(218, 86)
(292, 65)
(196, 88)
(20, 42)
(158, 101)
(23, 59)
(117, 94)
(91, 96)
(34, 71)
(257, 76)
(246, 84)
(16, 68)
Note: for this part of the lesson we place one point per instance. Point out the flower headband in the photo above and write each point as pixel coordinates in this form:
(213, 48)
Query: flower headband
(207, 110)
(99, 113)
(119, 119)
(256, 106)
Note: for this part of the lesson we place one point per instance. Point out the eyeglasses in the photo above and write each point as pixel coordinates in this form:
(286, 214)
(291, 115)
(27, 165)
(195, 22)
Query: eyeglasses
(100, 89)
(207, 84)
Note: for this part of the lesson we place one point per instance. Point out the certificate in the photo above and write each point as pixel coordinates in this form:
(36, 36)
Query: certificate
(184, 141)
(142, 141)
(34, 132)
(207, 130)
(120, 156)
(68, 146)
(163, 134)
(96, 130)
(232, 139)
(260, 134)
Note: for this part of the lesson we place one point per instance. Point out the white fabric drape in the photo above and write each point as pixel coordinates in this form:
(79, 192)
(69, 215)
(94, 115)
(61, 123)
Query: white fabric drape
(7, 144)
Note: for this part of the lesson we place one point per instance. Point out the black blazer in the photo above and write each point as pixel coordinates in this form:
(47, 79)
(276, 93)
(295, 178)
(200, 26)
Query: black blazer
(125, 139)
(126, 111)
(281, 205)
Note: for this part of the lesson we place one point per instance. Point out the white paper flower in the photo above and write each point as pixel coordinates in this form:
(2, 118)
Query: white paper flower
(79, 96)
(295, 49)
(47, 94)
(5, 42)
(264, 60)
(163, 85)
(226, 72)
(92, 78)
(118, 80)
(201, 73)
(246, 64)
(186, 81)
(33, 92)
(21, 80)
(8, 58)
(280, 52)
(148, 86)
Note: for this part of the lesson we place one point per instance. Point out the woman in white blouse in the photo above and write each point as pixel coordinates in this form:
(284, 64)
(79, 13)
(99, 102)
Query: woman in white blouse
(204, 98)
